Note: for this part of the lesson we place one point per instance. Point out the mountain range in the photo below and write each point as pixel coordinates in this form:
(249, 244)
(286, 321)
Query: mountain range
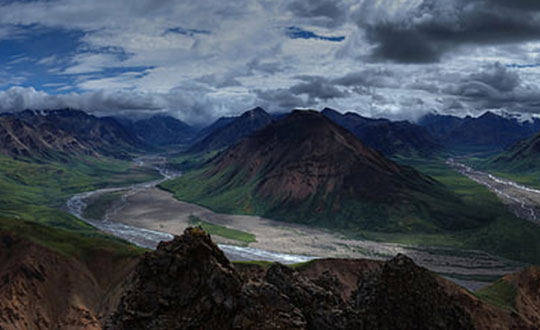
(489, 131)
(55, 134)
(225, 133)
(305, 168)
(388, 137)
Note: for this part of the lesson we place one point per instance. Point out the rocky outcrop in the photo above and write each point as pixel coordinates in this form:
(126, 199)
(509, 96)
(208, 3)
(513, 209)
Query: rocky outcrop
(189, 284)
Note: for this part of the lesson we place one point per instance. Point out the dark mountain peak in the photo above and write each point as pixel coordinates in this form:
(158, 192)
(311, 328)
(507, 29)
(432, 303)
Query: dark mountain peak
(195, 244)
(386, 136)
(308, 166)
(233, 130)
(161, 130)
(305, 113)
(330, 111)
(255, 113)
(489, 114)
(67, 113)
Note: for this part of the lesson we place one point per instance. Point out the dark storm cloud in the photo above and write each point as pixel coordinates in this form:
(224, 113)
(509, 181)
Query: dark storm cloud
(495, 82)
(493, 87)
(380, 77)
(436, 27)
(317, 88)
(520, 4)
(281, 99)
(328, 13)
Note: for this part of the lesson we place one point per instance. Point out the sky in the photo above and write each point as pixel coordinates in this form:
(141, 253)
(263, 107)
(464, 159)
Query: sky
(199, 60)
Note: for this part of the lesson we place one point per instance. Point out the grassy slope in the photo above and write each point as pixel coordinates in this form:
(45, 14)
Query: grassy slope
(31, 197)
(525, 172)
(36, 192)
(501, 294)
(97, 207)
(504, 234)
(222, 231)
(507, 235)
(81, 244)
(410, 211)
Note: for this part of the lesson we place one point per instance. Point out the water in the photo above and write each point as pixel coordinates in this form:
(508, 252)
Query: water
(150, 238)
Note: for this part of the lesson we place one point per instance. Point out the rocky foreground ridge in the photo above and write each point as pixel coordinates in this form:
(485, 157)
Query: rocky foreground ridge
(188, 283)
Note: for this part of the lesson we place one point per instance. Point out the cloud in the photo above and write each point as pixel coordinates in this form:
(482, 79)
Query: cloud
(317, 88)
(428, 31)
(281, 99)
(327, 13)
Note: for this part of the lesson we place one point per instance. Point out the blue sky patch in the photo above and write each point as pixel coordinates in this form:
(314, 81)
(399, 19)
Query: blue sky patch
(186, 32)
(294, 32)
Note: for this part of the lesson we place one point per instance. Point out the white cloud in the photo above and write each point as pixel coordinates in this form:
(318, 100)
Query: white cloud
(241, 57)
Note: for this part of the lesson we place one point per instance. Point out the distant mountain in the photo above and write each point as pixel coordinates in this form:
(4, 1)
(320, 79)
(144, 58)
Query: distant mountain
(489, 130)
(224, 133)
(220, 123)
(522, 156)
(60, 133)
(388, 137)
(306, 168)
(20, 139)
(163, 130)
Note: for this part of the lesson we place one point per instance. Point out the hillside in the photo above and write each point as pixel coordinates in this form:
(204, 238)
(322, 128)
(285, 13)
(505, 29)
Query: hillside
(520, 157)
(189, 283)
(224, 133)
(55, 279)
(388, 137)
(58, 134)
(305, 168)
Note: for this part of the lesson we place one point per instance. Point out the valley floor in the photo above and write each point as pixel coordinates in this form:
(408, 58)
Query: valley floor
(158, 210)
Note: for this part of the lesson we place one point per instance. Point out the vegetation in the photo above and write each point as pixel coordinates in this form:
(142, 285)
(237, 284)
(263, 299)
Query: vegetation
(222, 231)
(37, 191)
(501, 294)
(186, 162)
(492, 228)
(98, 206)
(81, 244)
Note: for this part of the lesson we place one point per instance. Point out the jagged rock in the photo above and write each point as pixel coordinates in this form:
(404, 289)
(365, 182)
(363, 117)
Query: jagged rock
(401, 295)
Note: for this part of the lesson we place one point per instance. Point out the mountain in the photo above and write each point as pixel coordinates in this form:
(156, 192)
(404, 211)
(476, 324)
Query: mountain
(58, 279)
(231, 133)
(52, 133)
(388, 137)
(163, 130)
(81, 283)
(522, 156)
(221, 122)
(188, 283)
(305, 168)
(20, 139)
(489, 130)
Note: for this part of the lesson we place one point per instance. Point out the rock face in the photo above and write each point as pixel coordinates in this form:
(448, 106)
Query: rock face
(189, 284)
(57, 134)
(42, 289)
